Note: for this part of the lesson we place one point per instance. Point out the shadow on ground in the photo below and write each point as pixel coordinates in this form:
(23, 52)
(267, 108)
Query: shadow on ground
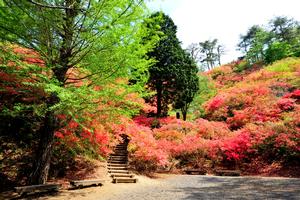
(242, 188)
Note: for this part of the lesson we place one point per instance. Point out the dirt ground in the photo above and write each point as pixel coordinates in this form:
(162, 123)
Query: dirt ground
(187, 187)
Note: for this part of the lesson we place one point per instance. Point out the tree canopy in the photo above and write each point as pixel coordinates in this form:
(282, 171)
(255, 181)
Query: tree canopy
(83, 44)
(208, 53)
(187, 85)
(279, 39)
(172, 72)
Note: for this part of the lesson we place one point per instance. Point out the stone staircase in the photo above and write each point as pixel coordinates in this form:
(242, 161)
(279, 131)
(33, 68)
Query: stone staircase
(117, 164)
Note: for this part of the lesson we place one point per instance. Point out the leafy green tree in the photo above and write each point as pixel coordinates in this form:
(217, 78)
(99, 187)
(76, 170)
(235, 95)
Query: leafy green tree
(284, 29)
(210, 53)
(100, 40)
(209, 56)
(278, 50)
(247, 39)
(254, 43)
(168, 55)
(286, 39)
(258, 46)
(187, 84)
(279, 40)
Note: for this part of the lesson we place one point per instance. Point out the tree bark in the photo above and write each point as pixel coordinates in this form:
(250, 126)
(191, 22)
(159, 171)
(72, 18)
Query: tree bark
(184, 116)
(184, 111)
(50, 123)
(158, 99)
(44, 153)
(177, 115)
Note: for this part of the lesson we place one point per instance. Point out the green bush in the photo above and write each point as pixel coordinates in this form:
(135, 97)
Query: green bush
(278, 51)
(241, 66)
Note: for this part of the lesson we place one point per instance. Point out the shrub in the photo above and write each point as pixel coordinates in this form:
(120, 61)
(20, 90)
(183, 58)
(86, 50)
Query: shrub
(241, 66)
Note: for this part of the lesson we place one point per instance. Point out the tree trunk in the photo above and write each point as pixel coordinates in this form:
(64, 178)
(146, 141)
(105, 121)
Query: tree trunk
(44, 152)
(177, 115)
(158, 99)
(184, 116)
(184, 112)
(42, 165)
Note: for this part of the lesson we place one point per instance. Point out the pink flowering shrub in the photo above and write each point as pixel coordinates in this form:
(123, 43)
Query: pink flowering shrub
(286, 104)
(254, 115)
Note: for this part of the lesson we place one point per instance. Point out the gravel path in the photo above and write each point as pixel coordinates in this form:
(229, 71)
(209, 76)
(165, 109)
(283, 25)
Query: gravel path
(190, 187)
(210, 187)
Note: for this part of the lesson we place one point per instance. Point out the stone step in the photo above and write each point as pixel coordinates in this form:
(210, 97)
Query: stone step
(117, 168)
(122, 175)
(119, 154)
(119, 171)
(117, 162)
(114, 155)
(124, 180)
(118, 159)
(116, 165)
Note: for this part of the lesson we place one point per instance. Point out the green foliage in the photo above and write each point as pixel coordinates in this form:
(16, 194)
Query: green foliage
(187, 85)
(205, 92)
(278, 51)
(210, 53)
(285, 65)
(256, 51)
(172, 69)
(105, 44)
(241, 66)
(82, 45)
(279, 40)
(247, 39)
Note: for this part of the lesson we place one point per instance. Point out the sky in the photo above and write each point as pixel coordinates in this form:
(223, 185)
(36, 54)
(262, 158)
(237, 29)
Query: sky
(226, 20)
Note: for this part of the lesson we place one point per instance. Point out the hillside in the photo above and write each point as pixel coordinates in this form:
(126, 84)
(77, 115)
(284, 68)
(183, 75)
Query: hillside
(246, 119)
(74, 80)
(251, 123)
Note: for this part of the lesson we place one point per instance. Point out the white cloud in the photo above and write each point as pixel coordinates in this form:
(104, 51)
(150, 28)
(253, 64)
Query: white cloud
(199, 20)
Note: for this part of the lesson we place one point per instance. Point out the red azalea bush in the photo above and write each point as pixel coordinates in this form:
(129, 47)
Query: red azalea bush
(256, 116)
(78, 138)
(294, 95)
(286, 104)
(243, 104)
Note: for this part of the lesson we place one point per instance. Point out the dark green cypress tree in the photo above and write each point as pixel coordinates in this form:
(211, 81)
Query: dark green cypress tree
(172, 67)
